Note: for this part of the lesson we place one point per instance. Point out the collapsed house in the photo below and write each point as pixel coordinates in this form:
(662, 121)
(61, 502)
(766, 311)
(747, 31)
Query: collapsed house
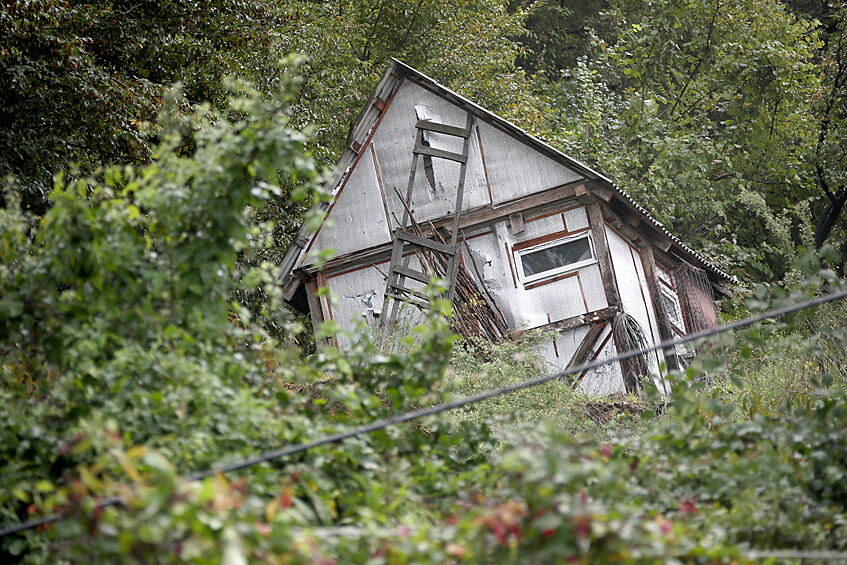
(431, 184)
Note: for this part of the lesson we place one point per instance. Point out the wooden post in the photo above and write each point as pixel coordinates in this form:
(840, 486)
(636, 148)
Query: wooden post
(315, 308)
(604, 256)
(665, 332)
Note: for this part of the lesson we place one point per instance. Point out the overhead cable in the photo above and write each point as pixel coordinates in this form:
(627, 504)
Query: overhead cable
(458, 403)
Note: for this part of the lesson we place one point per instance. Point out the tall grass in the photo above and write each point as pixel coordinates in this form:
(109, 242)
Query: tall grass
(788, 362)
(479, 365)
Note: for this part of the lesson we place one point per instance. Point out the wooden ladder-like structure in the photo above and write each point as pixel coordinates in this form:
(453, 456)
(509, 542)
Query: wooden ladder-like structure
(396, 291)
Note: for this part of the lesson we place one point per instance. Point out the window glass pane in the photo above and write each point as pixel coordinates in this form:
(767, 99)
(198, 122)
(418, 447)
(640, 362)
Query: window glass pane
(557, 256)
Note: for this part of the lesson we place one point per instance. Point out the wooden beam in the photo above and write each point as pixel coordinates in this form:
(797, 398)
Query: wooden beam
(478, 218)
(604, 256)
(423, 242)
(659, 240)
(625, 229)
(441, 128)
(600, 191)
(290, 287)
(602, 315)
(413, 274)
(487, 215)
(516, 222)
(580, 190)
(440, 153)
(315, 309)
(587, 344)
(649, 262)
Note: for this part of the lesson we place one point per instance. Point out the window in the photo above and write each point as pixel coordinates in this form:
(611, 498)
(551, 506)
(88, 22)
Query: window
(556, 257)
(670, 302)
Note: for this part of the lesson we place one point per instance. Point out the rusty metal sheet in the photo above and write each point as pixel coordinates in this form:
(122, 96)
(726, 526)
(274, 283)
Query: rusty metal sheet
(515, 169)
(357, 219)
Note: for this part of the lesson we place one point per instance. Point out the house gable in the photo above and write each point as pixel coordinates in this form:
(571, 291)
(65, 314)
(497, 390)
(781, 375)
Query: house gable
(366, 207)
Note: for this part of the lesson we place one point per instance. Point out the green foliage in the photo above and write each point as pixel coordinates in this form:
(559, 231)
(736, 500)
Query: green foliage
(128, 365)
(722, 118)
(480, 366)
(120, 331)
(78, 78)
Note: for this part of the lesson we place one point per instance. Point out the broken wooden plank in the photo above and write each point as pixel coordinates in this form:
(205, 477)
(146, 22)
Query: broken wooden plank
(600, 191)
(397, 288)
(587, 344)
(445, 129)
(649, 262)
(478, 218)
(659, 241)
(423, 242)
(413, 274)
(516, 221)
(602, 315)
(421, 149)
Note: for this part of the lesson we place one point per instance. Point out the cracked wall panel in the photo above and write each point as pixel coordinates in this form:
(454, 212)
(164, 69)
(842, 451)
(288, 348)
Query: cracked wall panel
(357, 220)
(561, 299)
(358, 300)
(566, 344)
(516, 170)
(358, 295)
(394, 141)
(592, 287)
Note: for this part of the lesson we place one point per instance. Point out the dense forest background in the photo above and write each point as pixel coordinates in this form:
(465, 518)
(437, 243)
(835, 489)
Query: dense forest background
(156, 159)
(725, 119)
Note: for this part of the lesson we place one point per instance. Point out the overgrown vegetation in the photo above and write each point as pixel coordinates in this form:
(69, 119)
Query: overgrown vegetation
(124, 371)
(143, 337)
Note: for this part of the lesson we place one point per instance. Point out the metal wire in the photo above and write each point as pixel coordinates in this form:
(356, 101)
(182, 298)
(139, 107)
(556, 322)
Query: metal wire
(459, 403)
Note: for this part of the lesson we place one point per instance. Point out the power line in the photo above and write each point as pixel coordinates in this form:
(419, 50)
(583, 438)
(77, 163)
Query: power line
(459, 403)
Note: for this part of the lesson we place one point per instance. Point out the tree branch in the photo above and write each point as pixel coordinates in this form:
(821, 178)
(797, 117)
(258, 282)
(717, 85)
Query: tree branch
(706, 48)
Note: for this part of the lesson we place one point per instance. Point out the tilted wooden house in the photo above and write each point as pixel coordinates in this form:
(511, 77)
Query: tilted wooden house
(431, 181)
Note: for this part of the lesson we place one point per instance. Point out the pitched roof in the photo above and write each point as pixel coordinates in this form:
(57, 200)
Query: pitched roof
(368, 119)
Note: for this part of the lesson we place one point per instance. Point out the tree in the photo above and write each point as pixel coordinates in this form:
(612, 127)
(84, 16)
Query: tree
(78, 78)
(830, 156)
(120, 332)
(710, 123)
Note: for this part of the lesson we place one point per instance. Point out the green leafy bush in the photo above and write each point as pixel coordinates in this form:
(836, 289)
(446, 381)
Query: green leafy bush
(127, 367)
